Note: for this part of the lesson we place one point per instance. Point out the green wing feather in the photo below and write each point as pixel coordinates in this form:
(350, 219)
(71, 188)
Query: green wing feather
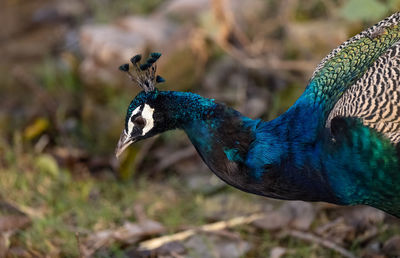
(348, 63)
(374, 168)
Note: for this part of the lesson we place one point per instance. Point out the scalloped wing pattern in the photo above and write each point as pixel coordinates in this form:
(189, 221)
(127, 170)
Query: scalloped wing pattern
(375, 97)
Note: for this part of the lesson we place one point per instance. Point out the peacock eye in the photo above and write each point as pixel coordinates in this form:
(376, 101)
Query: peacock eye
(140, 122)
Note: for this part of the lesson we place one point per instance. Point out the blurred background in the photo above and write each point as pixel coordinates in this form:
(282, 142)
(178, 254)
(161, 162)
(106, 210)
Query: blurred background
(62, 109)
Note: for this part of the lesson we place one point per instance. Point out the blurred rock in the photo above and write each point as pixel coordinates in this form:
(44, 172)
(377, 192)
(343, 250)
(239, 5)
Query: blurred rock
(363, 217)
(204, 183)
(105, 47)
(294, 214)
(184, 9)
(105, 43)
(156, 31)
(277, 252)
(374, 247)
(215, 246)
(392, 246)
(373, 250)
(274, 220)
(226, 206)
(304, 214)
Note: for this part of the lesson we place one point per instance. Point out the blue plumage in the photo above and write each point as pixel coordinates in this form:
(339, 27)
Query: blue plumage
(335, 144)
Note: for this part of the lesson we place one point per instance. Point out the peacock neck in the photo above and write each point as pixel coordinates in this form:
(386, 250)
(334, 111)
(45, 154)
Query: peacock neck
(184, 109)
(252, 155)
(221, 135)
(203, 120)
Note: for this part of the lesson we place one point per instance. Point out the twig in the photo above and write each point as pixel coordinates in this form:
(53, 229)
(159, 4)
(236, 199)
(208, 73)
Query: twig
(78, 242)
(324, 228)
(21, 209)
(320, 241)
(160, 241)
(368, 235)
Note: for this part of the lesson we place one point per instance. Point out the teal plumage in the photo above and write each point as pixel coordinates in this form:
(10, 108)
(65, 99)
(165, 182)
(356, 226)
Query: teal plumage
(338, 143)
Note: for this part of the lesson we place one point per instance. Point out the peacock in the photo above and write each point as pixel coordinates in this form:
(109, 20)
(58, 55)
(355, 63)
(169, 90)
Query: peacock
(339, 142)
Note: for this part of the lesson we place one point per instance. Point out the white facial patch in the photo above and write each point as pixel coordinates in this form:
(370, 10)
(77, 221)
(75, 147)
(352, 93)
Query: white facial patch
(130, 123)
(147, 114)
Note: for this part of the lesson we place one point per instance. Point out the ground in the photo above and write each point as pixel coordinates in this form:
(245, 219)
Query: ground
(64, 194)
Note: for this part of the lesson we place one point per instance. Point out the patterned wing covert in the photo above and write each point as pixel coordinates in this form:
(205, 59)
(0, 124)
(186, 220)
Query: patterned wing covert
(360, 78)
(347, 64)
(375, 97)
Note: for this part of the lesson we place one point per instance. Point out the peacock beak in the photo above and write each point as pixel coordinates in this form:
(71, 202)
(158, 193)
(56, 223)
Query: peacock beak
(123, 143)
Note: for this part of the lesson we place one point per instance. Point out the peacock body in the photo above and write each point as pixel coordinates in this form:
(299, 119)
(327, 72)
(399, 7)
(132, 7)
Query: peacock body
(338, 143)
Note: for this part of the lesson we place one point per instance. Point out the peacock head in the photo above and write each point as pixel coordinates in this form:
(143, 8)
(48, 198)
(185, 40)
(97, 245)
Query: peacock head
(143, 118)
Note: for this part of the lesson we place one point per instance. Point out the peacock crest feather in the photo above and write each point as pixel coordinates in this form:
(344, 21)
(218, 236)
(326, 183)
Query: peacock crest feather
(144, 74)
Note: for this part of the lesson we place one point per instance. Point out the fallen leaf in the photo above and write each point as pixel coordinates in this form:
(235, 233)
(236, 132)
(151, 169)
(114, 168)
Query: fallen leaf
(48, 164)
(36, 128)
